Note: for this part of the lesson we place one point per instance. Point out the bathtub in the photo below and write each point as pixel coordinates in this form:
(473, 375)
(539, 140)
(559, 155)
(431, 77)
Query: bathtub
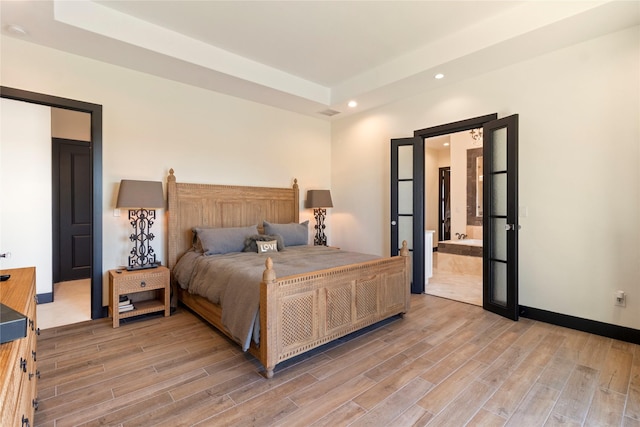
(462, 256)
(466, 247)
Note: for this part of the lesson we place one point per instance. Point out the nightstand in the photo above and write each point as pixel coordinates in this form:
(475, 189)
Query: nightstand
(153, 282)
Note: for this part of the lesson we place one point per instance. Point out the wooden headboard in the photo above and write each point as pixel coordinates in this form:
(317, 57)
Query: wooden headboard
(207, 205)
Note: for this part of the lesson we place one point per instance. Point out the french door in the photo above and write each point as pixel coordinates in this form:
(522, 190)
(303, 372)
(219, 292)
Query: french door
(500, 201)
(500, 222)
(407, 203)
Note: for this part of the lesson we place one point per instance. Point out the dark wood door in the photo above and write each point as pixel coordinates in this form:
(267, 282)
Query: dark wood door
(444, 206)
(72, 210)
(407, 203)
(500, 220)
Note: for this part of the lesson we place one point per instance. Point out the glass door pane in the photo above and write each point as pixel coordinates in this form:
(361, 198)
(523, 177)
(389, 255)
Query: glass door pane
(498, 176)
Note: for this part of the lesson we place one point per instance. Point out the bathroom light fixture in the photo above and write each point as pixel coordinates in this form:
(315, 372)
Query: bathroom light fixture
(352, 104)
(439, 76)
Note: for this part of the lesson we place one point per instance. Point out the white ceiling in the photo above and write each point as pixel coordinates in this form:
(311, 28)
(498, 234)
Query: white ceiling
(310, 56)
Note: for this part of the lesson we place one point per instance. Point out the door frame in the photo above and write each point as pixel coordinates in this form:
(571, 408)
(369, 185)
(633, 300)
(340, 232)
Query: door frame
(95, 110)
(445, 129)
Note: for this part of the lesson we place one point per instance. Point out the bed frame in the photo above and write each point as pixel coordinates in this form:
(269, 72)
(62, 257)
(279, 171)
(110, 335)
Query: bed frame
(297, 313)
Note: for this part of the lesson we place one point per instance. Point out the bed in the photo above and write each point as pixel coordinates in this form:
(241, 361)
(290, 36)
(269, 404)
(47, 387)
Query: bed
(297, 312)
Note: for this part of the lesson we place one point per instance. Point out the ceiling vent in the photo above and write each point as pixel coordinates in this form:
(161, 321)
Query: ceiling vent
(329, 112)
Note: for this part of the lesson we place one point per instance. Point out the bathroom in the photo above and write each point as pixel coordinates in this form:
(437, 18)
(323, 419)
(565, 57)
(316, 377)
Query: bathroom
(453, 216)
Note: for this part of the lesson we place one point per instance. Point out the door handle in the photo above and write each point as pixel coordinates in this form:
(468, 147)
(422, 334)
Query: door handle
(393, 223)
(511, 227)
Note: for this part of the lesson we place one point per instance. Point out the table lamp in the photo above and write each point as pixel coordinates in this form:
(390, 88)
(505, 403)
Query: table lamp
(141, 197)
(319, 200)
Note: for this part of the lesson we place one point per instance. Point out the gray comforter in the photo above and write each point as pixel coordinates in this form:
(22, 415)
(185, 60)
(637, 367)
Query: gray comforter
(233, 280)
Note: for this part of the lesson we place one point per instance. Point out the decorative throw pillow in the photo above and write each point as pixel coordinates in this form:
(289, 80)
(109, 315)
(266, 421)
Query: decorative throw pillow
(250, 244)
(293, 234)
(267, 246)
(223, 240)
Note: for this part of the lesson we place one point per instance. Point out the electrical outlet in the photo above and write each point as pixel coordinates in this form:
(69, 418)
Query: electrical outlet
(621, 299)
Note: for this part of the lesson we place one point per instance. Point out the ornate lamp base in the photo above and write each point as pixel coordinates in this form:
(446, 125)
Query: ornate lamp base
(320, 239)
(142, 254)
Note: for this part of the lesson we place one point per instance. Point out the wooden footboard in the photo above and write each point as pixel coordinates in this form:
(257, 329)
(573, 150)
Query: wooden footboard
(298, 313)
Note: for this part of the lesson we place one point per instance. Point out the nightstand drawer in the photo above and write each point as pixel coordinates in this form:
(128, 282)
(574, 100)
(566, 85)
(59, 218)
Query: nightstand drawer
(139, 284)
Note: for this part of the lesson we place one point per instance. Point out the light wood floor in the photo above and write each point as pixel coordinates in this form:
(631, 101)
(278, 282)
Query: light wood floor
(444, 363)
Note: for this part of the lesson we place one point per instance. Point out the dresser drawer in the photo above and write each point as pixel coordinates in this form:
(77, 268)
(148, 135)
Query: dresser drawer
(18, 358)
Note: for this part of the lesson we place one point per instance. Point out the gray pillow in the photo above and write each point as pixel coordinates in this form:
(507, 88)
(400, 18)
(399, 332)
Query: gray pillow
(223, 240)
(250, 244)
(293, 234)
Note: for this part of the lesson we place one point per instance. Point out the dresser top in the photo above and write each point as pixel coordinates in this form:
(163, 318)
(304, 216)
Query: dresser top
(16, 291)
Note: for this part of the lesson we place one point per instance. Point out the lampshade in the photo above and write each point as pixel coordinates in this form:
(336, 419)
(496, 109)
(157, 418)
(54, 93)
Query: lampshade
(140, 194)
(319, 199)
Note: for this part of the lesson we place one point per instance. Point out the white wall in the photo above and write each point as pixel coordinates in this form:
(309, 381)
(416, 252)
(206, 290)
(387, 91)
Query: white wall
(69, 124)
(151, 125)
(579, 163)
(25, 189)
(431, 192)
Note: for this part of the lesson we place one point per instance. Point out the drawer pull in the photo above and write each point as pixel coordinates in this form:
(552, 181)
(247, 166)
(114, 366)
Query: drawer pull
(25, 422)
(31, 324)
(37, 331)
(143, 284)
(23, 364)
(37, 374)
(33, 354)
(34, 403)
(31, 375)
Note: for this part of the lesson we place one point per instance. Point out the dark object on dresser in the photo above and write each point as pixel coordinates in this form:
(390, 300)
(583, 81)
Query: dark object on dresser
(13, 325)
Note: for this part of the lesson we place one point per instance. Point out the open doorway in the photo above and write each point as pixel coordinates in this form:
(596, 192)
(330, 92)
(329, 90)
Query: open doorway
(498, 207)
(45, 290)
(453, 211)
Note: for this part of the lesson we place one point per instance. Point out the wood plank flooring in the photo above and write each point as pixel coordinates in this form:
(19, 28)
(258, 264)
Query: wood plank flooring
(445, 363)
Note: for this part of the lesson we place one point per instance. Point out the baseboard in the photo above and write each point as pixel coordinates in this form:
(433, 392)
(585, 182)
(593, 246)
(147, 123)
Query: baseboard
(44, 298)
(608, 330)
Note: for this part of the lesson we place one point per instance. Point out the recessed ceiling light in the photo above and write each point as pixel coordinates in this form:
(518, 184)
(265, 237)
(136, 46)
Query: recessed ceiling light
(446, 144)
(439, 76)
(17, 30)
(352, 104)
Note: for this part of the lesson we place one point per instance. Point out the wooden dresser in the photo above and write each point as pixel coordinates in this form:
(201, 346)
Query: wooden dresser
(18, 373)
